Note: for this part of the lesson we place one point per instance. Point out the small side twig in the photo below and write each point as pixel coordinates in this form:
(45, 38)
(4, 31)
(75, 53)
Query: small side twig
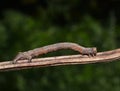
(61, 60)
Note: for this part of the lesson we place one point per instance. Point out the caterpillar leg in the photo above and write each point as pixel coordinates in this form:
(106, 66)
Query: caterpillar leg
(91, 52)
(22, 56)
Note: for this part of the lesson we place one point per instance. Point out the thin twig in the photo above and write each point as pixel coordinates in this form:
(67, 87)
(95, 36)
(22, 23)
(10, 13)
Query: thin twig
(61, 60)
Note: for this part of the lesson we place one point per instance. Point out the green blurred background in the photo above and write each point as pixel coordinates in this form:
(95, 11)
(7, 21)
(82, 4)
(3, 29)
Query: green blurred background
(27, 24)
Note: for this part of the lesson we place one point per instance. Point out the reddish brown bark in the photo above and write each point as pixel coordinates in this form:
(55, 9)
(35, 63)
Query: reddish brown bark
(107, 56)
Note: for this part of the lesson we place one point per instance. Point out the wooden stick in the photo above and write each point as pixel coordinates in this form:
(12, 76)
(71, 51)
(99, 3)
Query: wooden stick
(61, 60)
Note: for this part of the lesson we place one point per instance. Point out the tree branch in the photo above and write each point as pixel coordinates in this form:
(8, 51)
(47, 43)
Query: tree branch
(61, 60)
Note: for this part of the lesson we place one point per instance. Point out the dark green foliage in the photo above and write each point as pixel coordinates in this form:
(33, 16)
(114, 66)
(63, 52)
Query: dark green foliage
(44, 22)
